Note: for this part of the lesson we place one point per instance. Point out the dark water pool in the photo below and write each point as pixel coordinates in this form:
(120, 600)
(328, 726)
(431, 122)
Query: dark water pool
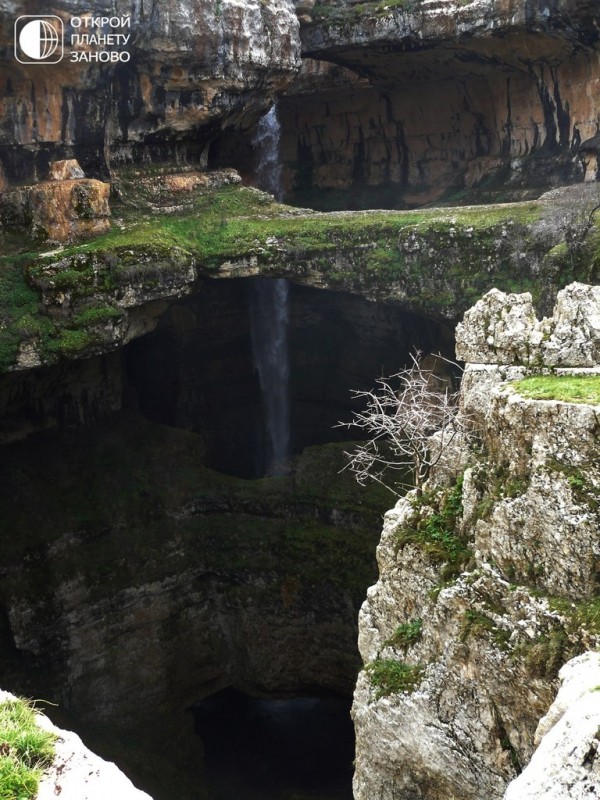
(298, 748)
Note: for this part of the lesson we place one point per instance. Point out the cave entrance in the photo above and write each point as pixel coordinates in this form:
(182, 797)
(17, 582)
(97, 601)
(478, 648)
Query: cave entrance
(276, 748)
(198, 371)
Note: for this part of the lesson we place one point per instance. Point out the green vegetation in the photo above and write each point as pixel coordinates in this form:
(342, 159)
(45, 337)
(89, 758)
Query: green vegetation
(570, 636)
(496, 482)
(583, 489)
(544, 656)
(442, 259)
(567, 388)
(388, 676)
(405, 635)
(436, 532)
(25, 750)
(475, 623)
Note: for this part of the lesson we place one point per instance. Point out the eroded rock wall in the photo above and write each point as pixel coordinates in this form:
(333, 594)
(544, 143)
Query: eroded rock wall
(482, 97)
(196, 68)
(503, 590)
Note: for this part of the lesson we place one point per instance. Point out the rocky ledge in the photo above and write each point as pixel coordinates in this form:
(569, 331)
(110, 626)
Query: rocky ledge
(489, 581)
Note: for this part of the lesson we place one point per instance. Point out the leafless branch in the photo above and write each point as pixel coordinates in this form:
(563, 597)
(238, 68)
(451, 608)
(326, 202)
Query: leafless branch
(399, 417)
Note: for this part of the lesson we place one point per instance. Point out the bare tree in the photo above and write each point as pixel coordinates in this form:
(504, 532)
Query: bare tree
(400, 416)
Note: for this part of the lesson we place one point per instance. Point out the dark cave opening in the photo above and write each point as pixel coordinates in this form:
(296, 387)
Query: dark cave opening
(276, 748)
(197, 371)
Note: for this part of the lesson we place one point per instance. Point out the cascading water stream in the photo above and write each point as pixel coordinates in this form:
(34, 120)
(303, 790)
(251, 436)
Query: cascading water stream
(267, 141)
(269, 316)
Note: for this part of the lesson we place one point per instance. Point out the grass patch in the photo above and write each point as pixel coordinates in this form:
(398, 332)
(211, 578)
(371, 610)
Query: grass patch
(567, 388)
(388, 676)
(437, 533)
(25, 751)
(405, 635)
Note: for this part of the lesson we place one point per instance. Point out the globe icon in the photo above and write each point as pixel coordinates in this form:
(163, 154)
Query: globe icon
(38, 39)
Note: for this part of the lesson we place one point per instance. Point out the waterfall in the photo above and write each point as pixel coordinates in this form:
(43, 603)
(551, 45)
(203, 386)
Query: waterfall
(269, 314)
(267, 140)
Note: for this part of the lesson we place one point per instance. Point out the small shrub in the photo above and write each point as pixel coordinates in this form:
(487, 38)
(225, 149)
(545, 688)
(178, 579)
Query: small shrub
(437, 533)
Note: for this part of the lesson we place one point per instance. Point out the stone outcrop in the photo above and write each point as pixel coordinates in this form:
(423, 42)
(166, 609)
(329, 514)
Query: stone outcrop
(503, 329)
(196, 68)
(65, 208)
(503, 583)
(176, 228)
(565, 763)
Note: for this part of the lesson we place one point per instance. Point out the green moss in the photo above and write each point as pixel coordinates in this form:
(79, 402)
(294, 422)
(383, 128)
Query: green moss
(18, 308)
(388, 676)
(25, 750)
(97, 315)
(437, 533)
(566, 388)
(405, 635)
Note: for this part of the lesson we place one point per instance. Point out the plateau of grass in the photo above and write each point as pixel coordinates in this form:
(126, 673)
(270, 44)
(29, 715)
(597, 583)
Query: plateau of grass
(567, 388)
(25, 751)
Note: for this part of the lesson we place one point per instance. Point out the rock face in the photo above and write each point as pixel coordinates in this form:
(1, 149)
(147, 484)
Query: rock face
(464, 560)
(565, 763)
(195, 68)
(446, 97)
(503, 329)
(147, 590)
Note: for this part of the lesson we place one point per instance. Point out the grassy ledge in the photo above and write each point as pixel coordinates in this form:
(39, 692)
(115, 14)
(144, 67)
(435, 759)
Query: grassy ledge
(567, 388)
(25, 750)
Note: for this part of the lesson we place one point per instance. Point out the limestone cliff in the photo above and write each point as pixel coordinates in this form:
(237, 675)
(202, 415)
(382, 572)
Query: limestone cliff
(490, 97)
(494, 570)
(195, 69)
(174, 231)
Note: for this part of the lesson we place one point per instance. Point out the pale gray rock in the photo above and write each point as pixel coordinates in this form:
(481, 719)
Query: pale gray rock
(491, 642)
(573, 331)
(500, 329)
(566, 763)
